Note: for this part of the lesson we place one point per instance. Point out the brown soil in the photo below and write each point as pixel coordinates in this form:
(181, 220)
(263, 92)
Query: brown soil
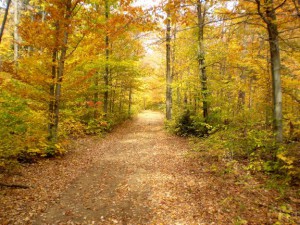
(138, 174)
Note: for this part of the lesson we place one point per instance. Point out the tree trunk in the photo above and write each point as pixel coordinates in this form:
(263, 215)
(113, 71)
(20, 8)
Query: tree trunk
(241, 94)
(16, 32)
(250, 93)
(174, 73)
(96, 95)
(201, 13)
(129, 102)
(113, 96)
(276, 80)
(106, 75)
(169, 78)
(52, 98)
(4, 19)
(121, 99)
(59, 76)
(51, 125)
(61, 67)
(269, 17)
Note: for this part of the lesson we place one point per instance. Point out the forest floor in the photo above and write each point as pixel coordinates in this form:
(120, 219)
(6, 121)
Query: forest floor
(140, 174)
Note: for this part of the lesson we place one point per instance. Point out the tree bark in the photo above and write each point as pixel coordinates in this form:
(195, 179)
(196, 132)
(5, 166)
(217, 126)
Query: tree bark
(52, 98)
(201, 13)
(173, 68)
(169, 78)
(55, 106)
(269, 17)
(16, 31)
(4, 20)
(129, 102)
(96, 95)
(106, 75)
(276, 80)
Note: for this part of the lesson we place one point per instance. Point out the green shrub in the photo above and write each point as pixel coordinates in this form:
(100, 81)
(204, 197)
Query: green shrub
(13, 127)
(71, 127)
(96, 127)
(189, 124)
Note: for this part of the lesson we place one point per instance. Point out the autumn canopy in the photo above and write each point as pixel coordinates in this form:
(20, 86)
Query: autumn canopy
(70, 68)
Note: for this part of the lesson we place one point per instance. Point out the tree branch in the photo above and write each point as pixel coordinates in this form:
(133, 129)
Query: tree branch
(260, 13)
(14, 185)
(297, 8)
(279, 6)
(77, 44)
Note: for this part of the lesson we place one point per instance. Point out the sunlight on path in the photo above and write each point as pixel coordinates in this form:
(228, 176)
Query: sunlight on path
(140, 179)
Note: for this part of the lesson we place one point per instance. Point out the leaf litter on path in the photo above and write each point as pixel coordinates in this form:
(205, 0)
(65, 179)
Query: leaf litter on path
(138, 174)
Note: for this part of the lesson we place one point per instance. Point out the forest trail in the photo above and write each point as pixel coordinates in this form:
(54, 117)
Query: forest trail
(139, 174)
(139, 179)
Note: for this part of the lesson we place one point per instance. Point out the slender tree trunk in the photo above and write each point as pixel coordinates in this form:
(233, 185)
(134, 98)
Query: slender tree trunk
(111, 91)
(53, 132)
(243, 76)
(96, 83)
(241, 93)
(276, 80)
(129, 102)
(61, 67)
(169, 78)
(269, 17)
(173, 68)
(113, 96)
(96, 95)
(268, 97)
(4, 20)
(250, 93)
(16, 31)
(60, 74)
(201, 12)
(121, 99)
(52, 97)
(51, 125)
(106, 75)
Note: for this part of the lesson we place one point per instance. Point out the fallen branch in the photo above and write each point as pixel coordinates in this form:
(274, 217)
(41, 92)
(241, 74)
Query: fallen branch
(14, 186)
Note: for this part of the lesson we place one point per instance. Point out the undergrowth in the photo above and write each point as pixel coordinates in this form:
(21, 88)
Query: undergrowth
(23, 142)
(245, 142)
(257, 166)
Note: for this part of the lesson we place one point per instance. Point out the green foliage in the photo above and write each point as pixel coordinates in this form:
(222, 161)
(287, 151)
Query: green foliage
(54, 149)
(70, 127)
(245, 143)
(287, 160)
(285, 216)
(13, 117)
(97, 126)
(189, 124)
(215, 115)
(22, 137)
(257, 147)
(77, 123)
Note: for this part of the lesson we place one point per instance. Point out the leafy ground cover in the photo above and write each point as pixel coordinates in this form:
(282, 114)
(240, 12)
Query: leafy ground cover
(140, 174)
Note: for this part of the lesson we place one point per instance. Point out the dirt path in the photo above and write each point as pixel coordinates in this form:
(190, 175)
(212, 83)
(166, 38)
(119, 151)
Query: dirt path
(139, 174)
(137, 180)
